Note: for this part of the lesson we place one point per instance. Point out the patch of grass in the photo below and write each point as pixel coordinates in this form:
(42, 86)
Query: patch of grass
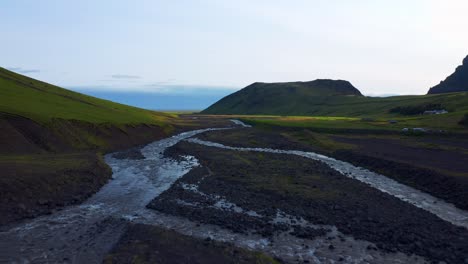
(464, 121)
(322, 141)
(255, 173)
(446, 122)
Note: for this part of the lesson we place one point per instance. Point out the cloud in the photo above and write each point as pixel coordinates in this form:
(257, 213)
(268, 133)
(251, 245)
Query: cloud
(125, 76)
(21, 70)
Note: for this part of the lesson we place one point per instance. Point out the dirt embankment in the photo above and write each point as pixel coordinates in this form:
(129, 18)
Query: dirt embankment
(39, 184)
(24, 136)
(149, 244)
(47, 166)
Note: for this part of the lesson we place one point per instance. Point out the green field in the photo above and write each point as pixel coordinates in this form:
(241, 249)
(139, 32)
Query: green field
(446, 122)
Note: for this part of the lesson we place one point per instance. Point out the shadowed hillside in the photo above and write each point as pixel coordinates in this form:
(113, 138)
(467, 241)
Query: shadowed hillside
(456, 82)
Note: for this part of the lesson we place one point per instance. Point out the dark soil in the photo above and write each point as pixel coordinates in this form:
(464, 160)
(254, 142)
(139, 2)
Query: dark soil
(452, 189)
(397, 150)
(202, 209)
(441, 172)
(133, 154)
(149, 244)
(25, 136)
(305, 188)
(39, 184)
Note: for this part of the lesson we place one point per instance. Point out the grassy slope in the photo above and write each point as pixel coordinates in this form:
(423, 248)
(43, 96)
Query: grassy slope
(448, 122)
(52, 142)
(312, 102)
(43, 102)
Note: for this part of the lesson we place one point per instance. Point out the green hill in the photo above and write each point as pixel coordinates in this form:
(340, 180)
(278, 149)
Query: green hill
(294, 99)
(283, 98)
(42, 102)
(52, 142)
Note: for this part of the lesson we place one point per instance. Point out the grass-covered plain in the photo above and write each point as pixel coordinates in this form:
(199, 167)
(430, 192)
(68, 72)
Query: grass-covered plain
(448, 122)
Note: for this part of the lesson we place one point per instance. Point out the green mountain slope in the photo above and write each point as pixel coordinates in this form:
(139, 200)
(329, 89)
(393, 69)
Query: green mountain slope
(285, 99)
(40, 101)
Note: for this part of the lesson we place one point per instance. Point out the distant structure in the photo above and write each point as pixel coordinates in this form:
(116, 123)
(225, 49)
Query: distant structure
(414, 129)
(435, 112)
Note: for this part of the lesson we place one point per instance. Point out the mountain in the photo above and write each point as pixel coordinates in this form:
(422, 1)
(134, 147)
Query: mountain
(283, 98)
(456, 82)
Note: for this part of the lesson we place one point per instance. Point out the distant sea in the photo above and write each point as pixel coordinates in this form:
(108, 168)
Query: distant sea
(190, 100)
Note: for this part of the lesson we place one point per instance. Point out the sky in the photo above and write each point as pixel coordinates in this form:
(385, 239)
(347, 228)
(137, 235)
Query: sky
(206, 49)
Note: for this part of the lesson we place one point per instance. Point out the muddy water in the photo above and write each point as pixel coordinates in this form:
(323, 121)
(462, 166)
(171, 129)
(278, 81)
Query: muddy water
(85, 233)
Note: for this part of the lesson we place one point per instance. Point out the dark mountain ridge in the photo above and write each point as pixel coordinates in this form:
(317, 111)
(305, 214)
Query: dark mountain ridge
(319, 87)
(456, 82)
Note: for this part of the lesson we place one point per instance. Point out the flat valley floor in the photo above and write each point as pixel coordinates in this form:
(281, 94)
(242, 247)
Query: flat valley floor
(248, 195)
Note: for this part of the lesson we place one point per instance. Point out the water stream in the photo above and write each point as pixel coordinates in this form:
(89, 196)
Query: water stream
(86, 232)
(438, 207)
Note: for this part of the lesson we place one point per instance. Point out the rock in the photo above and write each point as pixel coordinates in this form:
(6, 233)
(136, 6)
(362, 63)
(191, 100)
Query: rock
(43, 202)
(456, 82)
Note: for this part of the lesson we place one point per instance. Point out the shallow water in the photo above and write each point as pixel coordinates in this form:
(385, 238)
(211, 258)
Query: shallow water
(289, 248)
(85, 233)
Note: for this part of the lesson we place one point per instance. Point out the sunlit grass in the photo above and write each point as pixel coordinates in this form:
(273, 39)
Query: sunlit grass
(42, 102)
